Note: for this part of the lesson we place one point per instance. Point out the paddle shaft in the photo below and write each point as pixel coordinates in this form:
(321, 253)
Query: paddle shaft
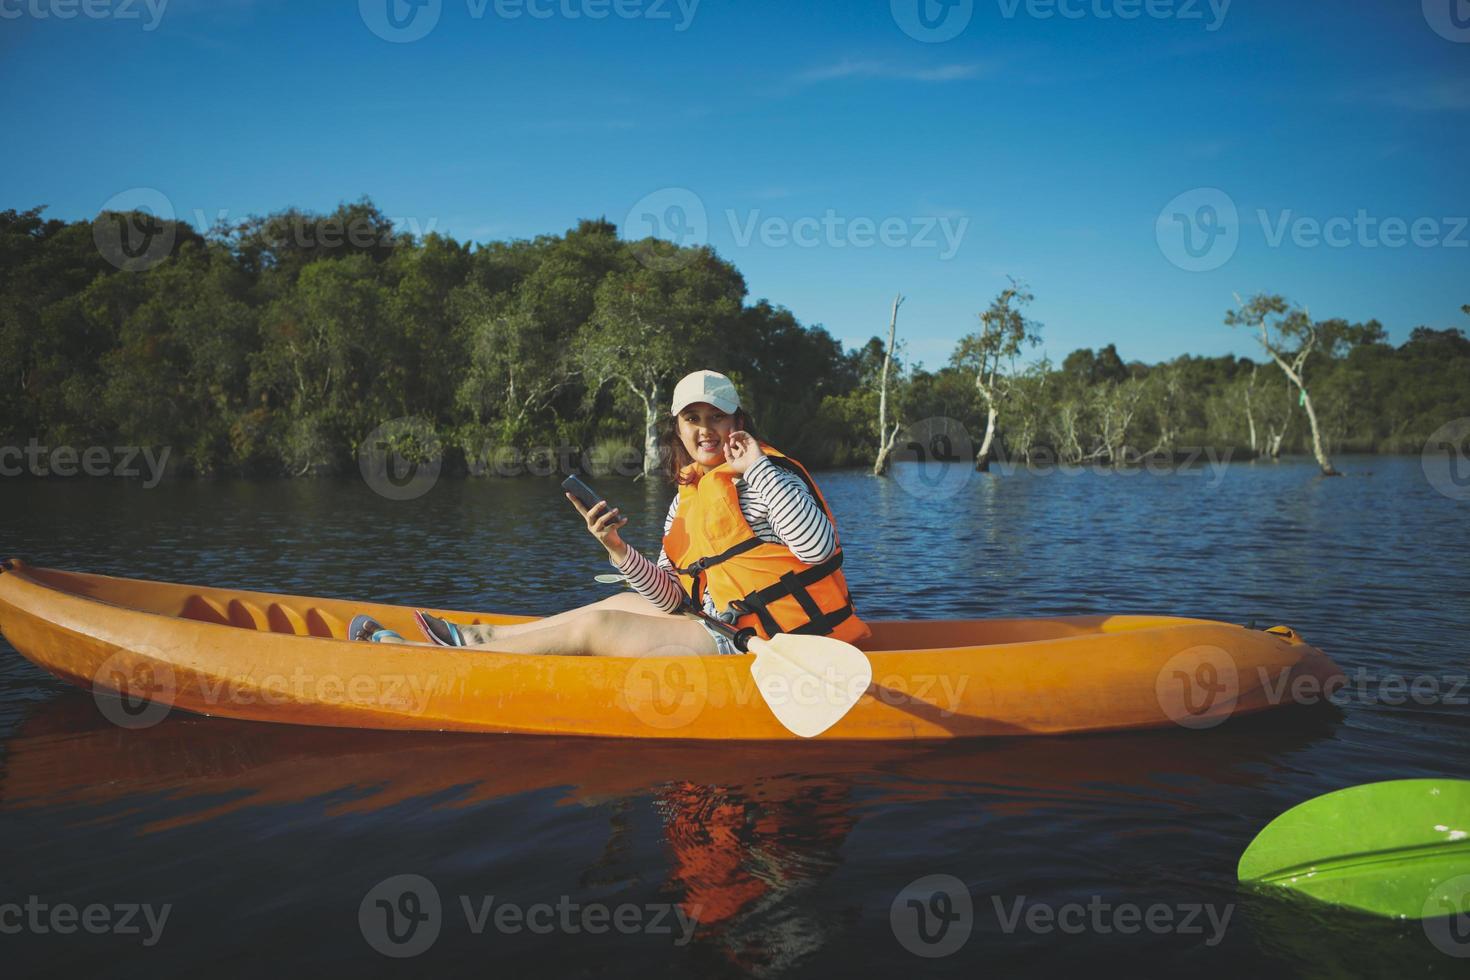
(740, 637)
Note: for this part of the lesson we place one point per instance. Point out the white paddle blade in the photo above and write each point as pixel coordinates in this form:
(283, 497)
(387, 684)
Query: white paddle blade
(809, 682)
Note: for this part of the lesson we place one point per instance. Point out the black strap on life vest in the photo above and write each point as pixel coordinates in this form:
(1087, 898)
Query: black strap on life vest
(696, 569)
(795, 584)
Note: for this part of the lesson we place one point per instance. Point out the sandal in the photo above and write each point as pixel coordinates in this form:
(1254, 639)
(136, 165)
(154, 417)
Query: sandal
(364, 628)
(440, 631)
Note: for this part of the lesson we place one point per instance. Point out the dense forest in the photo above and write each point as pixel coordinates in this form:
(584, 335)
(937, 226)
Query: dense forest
(276, 345)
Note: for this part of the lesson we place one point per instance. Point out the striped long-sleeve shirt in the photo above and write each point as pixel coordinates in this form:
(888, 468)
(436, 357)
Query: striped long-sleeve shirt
(779, 509)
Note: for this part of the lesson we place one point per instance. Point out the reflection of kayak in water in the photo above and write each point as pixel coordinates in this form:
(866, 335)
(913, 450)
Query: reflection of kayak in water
(280, 658)
(750, 834)
(67, 756)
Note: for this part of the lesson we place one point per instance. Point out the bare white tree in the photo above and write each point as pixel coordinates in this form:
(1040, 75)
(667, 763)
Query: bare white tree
(1003, 331)
(886, 439)
(1290, 338)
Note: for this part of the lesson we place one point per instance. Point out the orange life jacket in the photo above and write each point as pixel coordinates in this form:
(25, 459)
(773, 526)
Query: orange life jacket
(711, 545)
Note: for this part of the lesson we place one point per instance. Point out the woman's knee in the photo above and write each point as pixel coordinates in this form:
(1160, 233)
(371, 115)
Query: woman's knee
(617, 633)
(631, 602)
(593, 628)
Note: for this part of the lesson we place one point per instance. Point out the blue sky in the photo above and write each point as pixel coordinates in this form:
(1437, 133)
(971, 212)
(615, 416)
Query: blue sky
(1060, 141)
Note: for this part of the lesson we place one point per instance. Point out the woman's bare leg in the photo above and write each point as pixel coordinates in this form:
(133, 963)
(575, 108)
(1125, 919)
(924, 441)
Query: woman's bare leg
(624, 601)
(601, 632)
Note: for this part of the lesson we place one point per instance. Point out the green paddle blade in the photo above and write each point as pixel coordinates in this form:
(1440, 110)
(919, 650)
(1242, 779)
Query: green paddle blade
(1384, 848)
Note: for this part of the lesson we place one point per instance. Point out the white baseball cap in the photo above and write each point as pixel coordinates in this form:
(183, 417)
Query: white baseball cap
(706, 386)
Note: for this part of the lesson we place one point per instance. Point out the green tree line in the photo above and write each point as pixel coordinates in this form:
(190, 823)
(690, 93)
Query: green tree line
(276, 345)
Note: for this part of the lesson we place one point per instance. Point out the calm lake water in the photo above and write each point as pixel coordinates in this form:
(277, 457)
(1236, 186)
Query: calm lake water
(265, 842)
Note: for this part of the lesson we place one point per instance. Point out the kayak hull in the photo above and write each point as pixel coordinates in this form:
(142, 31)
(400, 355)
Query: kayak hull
(260, 656)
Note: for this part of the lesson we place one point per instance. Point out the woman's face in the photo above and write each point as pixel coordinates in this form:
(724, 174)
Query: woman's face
(703, 429)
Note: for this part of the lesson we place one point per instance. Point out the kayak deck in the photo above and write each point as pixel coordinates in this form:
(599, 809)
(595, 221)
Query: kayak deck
(284, 658)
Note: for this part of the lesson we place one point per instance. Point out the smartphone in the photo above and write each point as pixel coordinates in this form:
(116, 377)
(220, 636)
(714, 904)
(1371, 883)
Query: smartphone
(581, 491)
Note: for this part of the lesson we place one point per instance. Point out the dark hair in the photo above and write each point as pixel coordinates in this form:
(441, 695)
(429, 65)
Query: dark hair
(671, 448)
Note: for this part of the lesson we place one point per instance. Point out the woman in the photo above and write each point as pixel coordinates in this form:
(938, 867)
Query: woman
(748, 532)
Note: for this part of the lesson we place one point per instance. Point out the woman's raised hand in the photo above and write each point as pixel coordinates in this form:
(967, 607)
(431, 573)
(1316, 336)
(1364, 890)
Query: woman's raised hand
(741, 451)
(604, 524)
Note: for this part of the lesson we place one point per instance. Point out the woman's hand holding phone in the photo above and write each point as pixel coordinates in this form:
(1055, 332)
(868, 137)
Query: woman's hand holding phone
(604, 522)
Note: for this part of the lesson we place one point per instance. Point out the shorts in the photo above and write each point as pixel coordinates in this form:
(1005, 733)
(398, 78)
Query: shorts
(724, 646)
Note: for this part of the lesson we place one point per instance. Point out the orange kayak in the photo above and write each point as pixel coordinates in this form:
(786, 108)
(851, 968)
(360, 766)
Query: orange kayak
(259, 656)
